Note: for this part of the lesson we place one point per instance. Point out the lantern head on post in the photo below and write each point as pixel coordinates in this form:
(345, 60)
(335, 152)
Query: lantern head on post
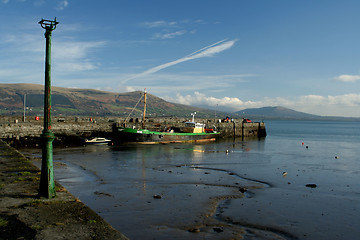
(48, 24)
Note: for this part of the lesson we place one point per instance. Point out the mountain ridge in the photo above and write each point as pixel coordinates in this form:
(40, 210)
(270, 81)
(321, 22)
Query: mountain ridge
(90, 102)
(279, 112)
(276, 111)
(74, 101)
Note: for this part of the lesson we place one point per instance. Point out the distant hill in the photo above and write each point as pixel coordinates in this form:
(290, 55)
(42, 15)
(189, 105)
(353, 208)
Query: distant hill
(88, 102)
(286, 113)
(275, 112)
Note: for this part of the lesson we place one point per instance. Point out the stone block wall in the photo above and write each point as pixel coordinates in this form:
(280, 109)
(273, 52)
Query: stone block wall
(67, 129)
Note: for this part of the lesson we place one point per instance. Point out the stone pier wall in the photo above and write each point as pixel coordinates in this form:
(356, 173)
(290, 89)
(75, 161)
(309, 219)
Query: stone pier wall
(232, 128)
(82, 127)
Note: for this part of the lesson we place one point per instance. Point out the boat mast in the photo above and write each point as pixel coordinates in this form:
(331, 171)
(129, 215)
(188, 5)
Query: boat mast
(143, 122)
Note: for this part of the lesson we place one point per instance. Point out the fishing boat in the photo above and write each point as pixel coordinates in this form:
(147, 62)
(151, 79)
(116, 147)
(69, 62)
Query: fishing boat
(98, 141)
(191, 132)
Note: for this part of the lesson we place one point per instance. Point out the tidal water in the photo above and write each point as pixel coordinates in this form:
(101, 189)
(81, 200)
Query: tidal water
(233, 189)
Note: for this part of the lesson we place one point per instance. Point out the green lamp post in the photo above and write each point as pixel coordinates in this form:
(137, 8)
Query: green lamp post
(47, 183)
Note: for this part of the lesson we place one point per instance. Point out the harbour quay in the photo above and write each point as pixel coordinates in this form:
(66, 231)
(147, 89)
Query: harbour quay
(74, 130)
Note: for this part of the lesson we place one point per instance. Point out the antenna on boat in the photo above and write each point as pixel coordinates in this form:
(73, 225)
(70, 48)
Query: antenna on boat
(143, 122)
(193, 116)
(24, 107)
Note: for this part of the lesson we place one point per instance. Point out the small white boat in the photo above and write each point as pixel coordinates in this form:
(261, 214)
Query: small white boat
(98, 141)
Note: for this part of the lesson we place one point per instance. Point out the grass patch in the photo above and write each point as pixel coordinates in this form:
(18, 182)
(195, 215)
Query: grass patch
(3, 222)
(34, 203)
(27, 179)
(24, 173)
(26, 176)
(36, 227)
(60, 189)
(39, 202)
(21, 173)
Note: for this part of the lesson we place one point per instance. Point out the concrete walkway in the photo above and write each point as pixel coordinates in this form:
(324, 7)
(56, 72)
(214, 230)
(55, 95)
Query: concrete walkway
(25, 216)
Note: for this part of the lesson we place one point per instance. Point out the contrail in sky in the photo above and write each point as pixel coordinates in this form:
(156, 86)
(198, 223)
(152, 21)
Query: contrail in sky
(203, 52)
(206, 47)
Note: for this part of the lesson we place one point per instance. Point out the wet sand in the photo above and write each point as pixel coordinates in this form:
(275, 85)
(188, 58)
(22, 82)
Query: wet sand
(203, 192)
(181, 202)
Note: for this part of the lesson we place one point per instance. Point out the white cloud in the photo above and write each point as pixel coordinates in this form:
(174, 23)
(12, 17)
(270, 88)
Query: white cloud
(172, 29)
(160, 83)
(5, 1)
(22, 42)
(341, 105)
(200, 99)
(169, 35)
(74, 50)
(208, 51)
(172, 24)
(352, 100)
(23, 56)
(312, 99)
(72, 56)
(62, 5)
(347, 78)
(68, 53)
(130, 89)
(67, 67)
(157, 24)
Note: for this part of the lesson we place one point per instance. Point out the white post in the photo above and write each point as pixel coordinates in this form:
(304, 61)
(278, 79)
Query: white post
(24, 106)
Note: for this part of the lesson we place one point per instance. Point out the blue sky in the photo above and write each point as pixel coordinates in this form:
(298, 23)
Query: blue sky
(229, 55)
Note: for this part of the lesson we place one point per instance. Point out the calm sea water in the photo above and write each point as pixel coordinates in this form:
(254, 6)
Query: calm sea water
(255, 188)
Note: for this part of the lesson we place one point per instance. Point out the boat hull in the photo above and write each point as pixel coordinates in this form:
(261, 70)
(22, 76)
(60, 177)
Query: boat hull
(98, 141)
(128, 135)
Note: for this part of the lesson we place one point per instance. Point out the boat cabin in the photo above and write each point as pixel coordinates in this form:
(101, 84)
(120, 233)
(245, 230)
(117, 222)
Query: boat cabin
(194, 127)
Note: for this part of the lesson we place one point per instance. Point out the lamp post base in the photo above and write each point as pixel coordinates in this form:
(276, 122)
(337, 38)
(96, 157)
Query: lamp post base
(47, 183)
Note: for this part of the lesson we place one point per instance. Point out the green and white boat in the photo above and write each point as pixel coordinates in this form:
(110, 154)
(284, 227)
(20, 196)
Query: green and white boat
(190, 132)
